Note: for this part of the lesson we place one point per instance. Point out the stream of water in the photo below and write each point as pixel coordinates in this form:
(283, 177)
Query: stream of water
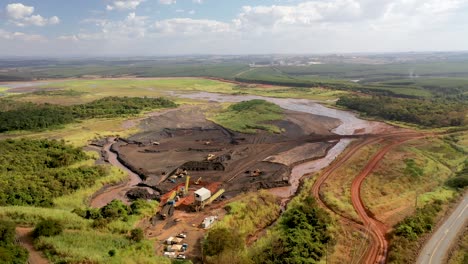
(350, 125)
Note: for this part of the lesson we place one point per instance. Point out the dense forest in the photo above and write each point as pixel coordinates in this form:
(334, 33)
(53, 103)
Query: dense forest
(16, 115)
(429, 113)
(33, 172)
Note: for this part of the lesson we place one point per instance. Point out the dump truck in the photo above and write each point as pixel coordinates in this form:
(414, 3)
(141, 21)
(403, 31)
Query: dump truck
(167, 210)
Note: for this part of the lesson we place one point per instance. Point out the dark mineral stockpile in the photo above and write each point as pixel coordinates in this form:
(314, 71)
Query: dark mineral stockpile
(184, 142)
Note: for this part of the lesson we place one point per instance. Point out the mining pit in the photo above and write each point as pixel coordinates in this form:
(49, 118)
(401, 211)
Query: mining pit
(184, 140)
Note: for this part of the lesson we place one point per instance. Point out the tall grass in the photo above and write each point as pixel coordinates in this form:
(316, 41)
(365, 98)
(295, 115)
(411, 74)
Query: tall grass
(250, 116)
(251, 213)
(24, 215)
(94, 247)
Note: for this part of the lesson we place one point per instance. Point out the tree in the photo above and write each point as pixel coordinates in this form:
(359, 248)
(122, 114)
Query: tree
(219, 239)
(114, 210)
(47, 228)
(136, 234)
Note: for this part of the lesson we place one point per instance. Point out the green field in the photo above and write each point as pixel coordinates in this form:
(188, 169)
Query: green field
(250, 116)
(412, 79)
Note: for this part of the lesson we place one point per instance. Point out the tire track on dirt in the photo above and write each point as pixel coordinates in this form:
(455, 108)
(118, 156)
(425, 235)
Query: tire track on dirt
(379, 248)
(376, 253)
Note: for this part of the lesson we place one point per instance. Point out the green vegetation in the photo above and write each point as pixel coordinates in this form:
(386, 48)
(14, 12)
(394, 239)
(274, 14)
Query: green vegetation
(47, 228)
(10, 252)
(251, 213)
(404, 240)
(33, 172)
(248, 116)
(30, 216)
(221, 239)
(94, 247)
(460, 181)
(29, 116)
(430, 113)
(460, 253)
(300, 235)
(244, 218)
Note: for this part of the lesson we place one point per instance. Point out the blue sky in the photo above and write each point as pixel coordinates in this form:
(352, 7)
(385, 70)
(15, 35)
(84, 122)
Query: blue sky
(168, 27)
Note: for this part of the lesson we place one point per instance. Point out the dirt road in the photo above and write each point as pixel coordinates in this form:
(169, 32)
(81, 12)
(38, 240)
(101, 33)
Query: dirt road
(377, 252)
(436, 248)
(25, 239)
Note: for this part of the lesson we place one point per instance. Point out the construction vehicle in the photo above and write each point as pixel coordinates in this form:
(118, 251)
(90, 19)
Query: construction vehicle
(210, 157)
(256, 173)
(167, 210)
(197, 182)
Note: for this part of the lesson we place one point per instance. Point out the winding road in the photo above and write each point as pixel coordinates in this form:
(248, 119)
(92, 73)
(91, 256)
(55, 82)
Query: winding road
(377, 251)
(436, 248)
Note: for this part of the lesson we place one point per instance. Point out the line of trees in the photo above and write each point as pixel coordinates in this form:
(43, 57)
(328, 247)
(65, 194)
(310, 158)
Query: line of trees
(15, 115)
(428, 113)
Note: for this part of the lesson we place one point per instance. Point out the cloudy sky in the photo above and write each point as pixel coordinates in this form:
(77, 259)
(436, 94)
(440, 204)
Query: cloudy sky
(169, 27)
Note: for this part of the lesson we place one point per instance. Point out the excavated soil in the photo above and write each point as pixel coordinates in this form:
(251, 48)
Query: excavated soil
(183, 140)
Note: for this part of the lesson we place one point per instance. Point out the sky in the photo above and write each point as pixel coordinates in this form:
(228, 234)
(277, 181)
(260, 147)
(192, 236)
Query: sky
(67, 28)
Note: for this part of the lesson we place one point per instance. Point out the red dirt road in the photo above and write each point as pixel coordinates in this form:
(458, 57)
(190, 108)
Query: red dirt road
(25, 239)
(377, 252)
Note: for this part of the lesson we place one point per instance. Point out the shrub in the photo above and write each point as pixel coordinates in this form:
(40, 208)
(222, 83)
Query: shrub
(47, 228)
(220, 239)
(136, 234)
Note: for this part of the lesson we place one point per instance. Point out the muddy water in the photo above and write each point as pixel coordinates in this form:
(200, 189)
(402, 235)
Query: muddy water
(350, 124)
(118, 191)
(13, 85)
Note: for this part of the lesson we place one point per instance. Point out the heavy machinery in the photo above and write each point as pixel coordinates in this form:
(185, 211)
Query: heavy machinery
(256, 173)
(210, 157)
(197, 182)
(167, 210)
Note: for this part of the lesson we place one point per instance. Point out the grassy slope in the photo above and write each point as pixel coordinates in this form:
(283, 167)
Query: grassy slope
(390, 192)
(93, 247)
(337, 193)
(248, 116)
(80, 133)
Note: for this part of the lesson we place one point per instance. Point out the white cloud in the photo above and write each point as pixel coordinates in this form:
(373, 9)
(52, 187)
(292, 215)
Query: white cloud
(289, 26)
(22, 15)
(124, 4)
(167, 2)
(20, 36)
(191, 26)
(19, 11)
(198, 1)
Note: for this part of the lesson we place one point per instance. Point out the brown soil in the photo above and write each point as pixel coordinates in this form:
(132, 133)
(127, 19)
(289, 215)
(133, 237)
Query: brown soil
(185, 138)
(23, 234)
